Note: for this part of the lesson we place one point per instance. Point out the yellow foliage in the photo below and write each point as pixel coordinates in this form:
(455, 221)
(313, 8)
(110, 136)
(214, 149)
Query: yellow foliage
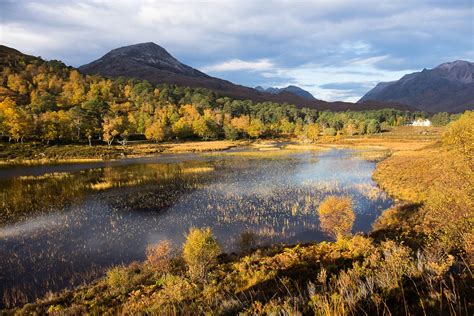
(336, 216)
(200, 252)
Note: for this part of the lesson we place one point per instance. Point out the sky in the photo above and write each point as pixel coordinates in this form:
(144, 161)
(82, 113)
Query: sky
(337, 50)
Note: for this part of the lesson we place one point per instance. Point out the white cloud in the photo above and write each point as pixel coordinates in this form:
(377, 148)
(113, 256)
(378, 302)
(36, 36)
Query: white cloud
(238, 65)
(313, 76)
(305, 42)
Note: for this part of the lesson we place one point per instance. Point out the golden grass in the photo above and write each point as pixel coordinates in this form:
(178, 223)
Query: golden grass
(397, 139)
(272, 153)
(203, 146)
(409, 174)
(42, 161)
(197, 170)
(374, 154)
(56, 175)
(306, 147)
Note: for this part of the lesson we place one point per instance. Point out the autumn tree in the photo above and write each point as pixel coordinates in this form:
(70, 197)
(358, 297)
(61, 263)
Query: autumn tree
(182, 128)
(74, 88)
(256, 128)
(17, 83)
(156, 131)
(336, 216)
(351, 127)
(312, 132)
(286, 127)
(113, 127)
(200, 252)
(14, 120)
(460, 136)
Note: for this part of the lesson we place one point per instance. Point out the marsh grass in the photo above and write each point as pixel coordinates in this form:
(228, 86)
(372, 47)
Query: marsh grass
(38, 153)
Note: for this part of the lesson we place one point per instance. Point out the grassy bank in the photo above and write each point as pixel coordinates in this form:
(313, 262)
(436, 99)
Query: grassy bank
(38, 153)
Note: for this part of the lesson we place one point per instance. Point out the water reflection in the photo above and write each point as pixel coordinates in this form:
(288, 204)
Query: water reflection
(61, 229)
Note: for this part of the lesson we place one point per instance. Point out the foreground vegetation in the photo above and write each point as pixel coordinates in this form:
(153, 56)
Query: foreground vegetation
(417, 260)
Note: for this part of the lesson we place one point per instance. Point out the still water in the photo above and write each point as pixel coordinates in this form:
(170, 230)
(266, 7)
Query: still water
(64, 225)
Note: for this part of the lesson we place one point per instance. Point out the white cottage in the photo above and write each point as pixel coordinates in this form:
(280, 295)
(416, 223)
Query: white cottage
(421, 122)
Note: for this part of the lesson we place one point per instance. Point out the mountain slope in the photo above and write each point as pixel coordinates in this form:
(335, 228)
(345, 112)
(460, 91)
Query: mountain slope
(149, 61)
(448, 87)
(291, 89)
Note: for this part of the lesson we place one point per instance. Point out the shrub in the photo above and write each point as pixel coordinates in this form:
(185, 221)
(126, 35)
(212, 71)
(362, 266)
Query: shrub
(118, 279)
(460, 135)
(159, 256)
(200, 252)
(336, 216)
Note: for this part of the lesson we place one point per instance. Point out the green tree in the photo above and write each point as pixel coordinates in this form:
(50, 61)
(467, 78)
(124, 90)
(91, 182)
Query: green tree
(330, 131)
(440, 119)
(231, 132)
(205, 128)
(373, 127)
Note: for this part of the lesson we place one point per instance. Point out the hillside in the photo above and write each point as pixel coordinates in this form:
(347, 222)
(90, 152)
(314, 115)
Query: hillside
(151, 62)
(448, 87)
(290, 89)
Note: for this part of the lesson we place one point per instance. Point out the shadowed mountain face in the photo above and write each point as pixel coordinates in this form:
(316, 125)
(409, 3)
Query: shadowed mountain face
(149, 61)
(291, 89)
(146, 59)
(448, 87)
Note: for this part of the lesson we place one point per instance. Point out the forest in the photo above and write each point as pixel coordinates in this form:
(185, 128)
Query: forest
(49, 102)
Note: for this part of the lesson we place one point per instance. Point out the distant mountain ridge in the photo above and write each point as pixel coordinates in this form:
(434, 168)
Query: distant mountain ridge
(448, 87)
(290, 89)
(149, 61)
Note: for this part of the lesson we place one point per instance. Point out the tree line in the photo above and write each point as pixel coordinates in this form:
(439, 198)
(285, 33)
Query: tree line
(50, 102)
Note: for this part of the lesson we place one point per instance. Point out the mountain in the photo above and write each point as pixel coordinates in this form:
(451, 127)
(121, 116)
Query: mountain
(149, 61)
(447, 88)
(290, 89)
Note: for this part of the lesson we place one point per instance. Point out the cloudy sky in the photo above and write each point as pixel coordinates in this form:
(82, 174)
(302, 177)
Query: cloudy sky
(336, 49)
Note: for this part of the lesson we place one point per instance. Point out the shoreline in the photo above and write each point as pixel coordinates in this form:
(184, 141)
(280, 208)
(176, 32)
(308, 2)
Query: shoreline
(33, 154)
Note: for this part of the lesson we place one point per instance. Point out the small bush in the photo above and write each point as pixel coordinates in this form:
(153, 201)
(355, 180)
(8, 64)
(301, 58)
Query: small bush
(336, 216)
(159, 256)
(117, 279)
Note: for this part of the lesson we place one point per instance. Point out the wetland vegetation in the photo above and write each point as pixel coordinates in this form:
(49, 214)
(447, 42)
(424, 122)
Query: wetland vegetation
(109, 215)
